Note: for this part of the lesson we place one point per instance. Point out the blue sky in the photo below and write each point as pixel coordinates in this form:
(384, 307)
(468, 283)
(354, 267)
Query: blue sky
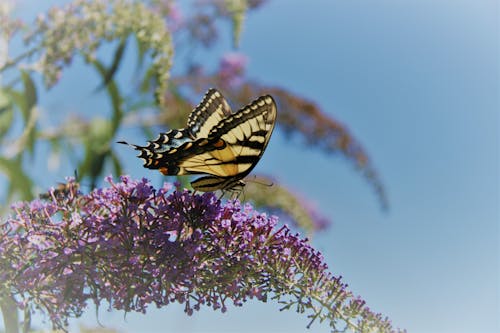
(417, 82)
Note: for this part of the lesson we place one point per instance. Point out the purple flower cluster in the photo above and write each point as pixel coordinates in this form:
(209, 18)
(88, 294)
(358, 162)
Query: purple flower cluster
(133, 246)
(171, 11)
(231, 69)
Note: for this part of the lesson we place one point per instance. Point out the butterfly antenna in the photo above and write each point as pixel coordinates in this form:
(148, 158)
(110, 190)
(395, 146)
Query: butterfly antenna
(254, 180)
(136, 147)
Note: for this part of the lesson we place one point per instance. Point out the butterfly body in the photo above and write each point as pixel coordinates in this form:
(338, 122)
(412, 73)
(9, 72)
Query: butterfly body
(223, 145)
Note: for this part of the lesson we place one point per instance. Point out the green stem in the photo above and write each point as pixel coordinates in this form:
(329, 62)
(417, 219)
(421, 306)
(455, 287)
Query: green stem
(14, 61)
(9, 314)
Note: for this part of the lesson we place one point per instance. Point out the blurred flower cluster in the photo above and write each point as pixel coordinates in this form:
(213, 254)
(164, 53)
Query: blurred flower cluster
(133, 245)
(231, 70)
(8, 25)
(82, 26)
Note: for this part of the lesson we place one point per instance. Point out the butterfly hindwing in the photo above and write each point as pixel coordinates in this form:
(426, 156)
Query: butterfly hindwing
(214, 183)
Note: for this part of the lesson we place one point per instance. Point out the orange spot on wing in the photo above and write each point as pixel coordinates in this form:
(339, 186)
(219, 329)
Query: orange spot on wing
(220, 144)
(164, 171)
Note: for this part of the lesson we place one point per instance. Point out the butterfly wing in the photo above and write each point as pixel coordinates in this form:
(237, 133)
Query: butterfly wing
(211, 110)
(232, 149)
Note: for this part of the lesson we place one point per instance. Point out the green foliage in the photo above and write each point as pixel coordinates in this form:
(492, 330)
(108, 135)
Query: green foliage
(237, 10)
(6, 113)
(79, 28)
(19, 180)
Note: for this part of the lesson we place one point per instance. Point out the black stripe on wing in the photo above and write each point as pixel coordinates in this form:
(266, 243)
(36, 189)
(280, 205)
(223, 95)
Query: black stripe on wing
(214, 183)
(248, 131)
(210, 112)
(164, 143)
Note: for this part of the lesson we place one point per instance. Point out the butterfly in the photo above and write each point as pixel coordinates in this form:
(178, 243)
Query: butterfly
(222, 145)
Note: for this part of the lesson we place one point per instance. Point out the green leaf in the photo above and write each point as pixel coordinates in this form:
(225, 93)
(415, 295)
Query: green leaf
(149, 80)
(5, 101)
(16, 98)
(24, 103)
(92, 164)
(28, 138)
(237, 9)
(19, 181)
(117, 165)
(30, 95)
(115, 65)
(6, 113)
(115, 96)
(141, 52)
(96, 150)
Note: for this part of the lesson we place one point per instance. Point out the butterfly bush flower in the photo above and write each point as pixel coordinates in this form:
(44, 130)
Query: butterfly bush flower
(172, 13)
(135, 246)
(8, 26)
(231, 69)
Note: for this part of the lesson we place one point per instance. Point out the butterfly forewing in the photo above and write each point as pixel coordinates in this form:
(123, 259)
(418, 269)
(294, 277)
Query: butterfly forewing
(246, 134)
(210, 112)
(236, 143)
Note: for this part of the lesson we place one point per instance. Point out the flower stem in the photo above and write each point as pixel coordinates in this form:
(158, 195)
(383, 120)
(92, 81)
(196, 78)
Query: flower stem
(9, 314)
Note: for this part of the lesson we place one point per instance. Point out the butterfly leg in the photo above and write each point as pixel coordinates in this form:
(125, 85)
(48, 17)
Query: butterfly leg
(221, 195)
(235, 193)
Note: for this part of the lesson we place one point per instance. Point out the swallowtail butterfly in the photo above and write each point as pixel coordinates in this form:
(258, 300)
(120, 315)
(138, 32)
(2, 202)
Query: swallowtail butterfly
(223, 145)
